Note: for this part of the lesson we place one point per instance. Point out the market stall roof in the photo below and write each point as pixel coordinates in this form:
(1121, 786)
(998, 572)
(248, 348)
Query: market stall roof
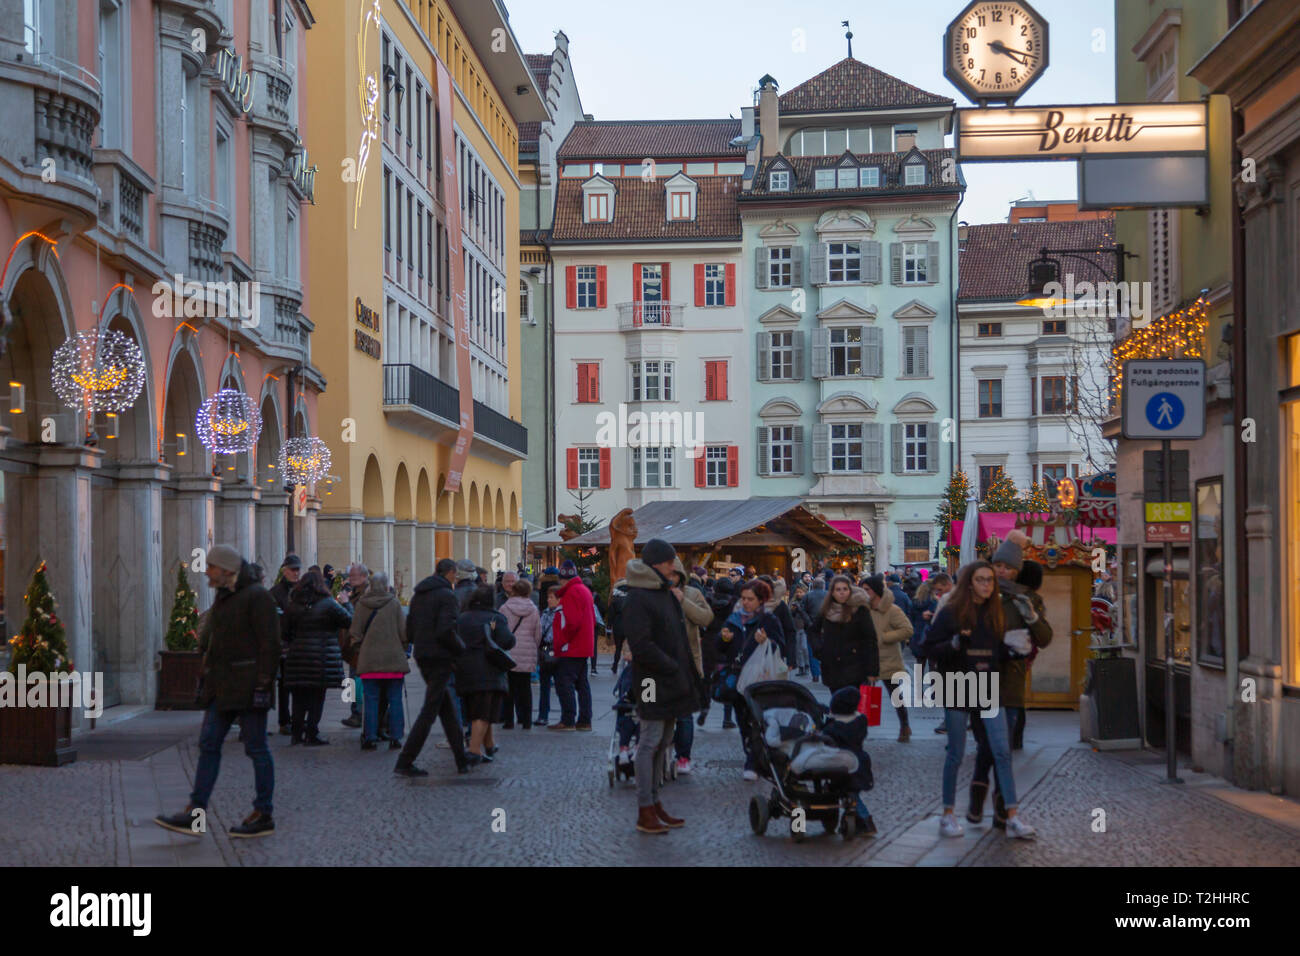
(709, 521)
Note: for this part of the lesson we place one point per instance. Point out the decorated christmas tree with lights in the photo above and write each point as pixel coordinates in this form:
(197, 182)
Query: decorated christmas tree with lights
(182, 629)
(1035, 501)
(40, 644)
(952, 507)
(1001, 495)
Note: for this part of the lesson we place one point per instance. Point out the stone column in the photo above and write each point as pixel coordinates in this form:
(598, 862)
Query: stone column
(882, 539)
(403, 566)
(272, 532)
(425, 558)
(338, 538)
(189, 522)
(377, 544)
(237, 518)
(305, 534)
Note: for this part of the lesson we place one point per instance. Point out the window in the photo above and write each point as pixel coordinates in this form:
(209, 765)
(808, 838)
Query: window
(225, 190)
(915, 262)
(1209, 571)
(586, 287)
(782, 352)
(652, 381)
(110, 74)
(778, 180)
(1051, 475)
(1053, 399)
(1054, 326)
(588, 382)
(915, 447)
(990, 398)
(988, 330)
(780, 267)
(846, 447)
(842, 262)
(715, 466)
(652, 467)
(988, 475)
(916, 546)
(916, 351)
(715, 380)
(32, 36)
(869, 177)
(715, 285)
(780, 445)
(399, 221)
(847, 177)
(589, 467)
(598, 207)
(846, 351)
(680, 205)
(824, 179)
(525, 299)
(914, 174)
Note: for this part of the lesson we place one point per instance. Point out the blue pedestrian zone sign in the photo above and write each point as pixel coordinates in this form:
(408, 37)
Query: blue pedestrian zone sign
(1164, 398)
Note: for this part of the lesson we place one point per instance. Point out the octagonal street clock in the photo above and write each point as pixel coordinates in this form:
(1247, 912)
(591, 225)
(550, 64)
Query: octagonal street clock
(995, 49)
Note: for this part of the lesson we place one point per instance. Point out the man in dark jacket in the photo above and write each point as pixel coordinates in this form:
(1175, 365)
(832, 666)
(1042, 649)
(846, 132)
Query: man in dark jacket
(241, 654)
(614, 620)
(431, 631)
(465, 581)
(290, 572)
(663, 678)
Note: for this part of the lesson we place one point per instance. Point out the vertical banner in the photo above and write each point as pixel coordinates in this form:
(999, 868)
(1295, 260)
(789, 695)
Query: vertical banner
(459, 304)
(300, 501)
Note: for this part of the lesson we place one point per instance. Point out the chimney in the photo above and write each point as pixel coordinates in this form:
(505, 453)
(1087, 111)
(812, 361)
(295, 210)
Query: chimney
(747, 122)
(769, 116)
(904, 138)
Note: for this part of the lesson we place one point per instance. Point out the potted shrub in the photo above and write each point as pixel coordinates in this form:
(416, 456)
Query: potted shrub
(181, 664)
(40, 735)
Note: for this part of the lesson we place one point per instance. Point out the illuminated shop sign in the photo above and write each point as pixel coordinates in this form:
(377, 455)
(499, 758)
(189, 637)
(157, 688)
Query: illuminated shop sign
(1069, 132)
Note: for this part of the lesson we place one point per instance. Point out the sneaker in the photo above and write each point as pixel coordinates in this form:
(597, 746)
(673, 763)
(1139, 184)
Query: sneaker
(941, 729)
(256, 824)
(683, 765)
(411, 771)
(949, 826)
(353, 722)
(182, 822)
(585, 728)
(750, 775)
(728, 725)
(562, 727)
(1019, 830)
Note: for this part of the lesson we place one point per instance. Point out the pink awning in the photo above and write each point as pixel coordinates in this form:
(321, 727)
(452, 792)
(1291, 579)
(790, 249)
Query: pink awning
(995, 523)
(851, 528)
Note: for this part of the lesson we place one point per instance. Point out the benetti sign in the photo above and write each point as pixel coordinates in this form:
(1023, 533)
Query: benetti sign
(1069, 132)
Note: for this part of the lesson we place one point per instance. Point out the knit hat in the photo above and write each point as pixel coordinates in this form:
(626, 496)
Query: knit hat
(225, 557)
(1031, 575)
(1010, 554)
(699, 569)
(292, 561)
(657, 551)
(845, 701)
(877, 584)
(465, 570)
(551, 569)
(568, 569)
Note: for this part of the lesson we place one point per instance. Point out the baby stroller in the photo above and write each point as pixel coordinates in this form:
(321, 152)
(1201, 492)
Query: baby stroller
(806, 772)
(625, 707)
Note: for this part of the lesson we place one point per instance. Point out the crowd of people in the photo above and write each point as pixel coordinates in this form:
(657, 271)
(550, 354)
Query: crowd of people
(683, 639)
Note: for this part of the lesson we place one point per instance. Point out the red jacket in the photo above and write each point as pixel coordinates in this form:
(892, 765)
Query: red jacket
(577, 630)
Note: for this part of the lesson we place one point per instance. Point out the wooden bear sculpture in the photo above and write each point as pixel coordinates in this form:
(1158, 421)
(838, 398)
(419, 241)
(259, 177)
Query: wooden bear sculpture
(622, 532)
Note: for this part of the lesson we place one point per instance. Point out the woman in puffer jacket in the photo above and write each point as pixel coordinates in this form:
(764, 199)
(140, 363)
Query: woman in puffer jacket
(892, 629)
(313, 662)
(843, 638)
(483, 688)
(525, 623)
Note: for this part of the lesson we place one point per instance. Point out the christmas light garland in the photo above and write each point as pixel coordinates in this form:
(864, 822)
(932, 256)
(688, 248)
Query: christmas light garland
(1178, 334)
(98, 370)
(304, 460)
(229, 422)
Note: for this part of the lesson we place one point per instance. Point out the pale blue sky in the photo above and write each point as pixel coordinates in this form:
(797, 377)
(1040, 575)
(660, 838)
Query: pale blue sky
(691, 59)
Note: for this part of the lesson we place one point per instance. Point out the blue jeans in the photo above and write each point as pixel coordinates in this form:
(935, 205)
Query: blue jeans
(815, 664)
(999, 742)
(571, 675)
(684, 738)
(252, 731)
(391, 689)
(544, 696)
(356, 706)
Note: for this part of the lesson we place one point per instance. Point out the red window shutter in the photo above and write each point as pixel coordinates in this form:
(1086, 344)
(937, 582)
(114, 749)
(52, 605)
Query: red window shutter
(701, 476)
(731, 285)
(571, 461)
(733, 466)
(571, 287)
(600, 287)
(699, 284)
(720, 381)
(667, 294)
(636, 282)
(604, 467)
(582, 382)
(593, 382)
(710, 385)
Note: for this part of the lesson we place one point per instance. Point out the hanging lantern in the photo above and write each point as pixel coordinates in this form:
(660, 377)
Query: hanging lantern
(304, 460)
(229, 422)
(100, 370)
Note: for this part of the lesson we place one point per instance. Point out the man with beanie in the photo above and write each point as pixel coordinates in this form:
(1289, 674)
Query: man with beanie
(847, 729)
(663, 672)
(574, 642)
(241, 654)
(290, 572)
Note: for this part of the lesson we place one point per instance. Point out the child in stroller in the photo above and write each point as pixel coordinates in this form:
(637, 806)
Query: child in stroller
(817, 767)
(622, 746)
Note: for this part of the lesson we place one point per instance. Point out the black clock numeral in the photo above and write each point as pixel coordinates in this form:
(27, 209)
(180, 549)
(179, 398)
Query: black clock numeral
(997, 78)
(971, 33)
(965, 48)
(1013, 19)
(1013, 72)
(997, 16)
(1024, 31)
(982, 72)
(970, 63)
(1029, 45)
(982, 21)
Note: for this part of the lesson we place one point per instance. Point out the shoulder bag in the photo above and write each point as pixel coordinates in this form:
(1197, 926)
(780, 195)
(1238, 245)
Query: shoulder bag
(493, 653)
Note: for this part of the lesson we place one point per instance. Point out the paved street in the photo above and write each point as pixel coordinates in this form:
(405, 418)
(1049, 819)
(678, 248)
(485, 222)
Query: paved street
(339, 806)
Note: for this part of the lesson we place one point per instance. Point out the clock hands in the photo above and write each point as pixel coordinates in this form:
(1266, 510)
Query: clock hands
(1020, 56)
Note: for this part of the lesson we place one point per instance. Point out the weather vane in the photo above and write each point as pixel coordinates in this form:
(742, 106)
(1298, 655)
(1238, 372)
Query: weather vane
(848, 35)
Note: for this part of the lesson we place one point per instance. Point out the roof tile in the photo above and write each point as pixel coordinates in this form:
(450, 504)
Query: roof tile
(640, 212)
(889, 164)
(995, 261)
(853, 85)
(662, 139)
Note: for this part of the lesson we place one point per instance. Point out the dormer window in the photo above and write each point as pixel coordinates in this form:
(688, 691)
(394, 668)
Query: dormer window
(846, 177)
(869, 177)
(824, 179)
(679, 205)
(597, 200)
(679, 194)
(914, 174)
(778, 180)
(598, 208)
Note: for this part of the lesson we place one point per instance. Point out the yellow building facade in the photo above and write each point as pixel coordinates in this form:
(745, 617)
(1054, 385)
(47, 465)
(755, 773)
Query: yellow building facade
(381, 269)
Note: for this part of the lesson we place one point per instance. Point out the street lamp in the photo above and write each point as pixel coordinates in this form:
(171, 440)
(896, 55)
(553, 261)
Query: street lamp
(1046, 270)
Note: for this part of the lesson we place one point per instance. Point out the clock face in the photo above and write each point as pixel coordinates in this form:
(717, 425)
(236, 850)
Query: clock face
(995, 49)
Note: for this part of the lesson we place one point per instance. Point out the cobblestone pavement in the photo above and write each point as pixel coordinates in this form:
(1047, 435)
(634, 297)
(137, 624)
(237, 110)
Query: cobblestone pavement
(337, 805)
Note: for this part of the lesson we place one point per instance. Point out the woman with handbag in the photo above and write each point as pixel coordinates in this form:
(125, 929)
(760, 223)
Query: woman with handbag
(842, 637)
(379, 632)
(313, 662)
(481, 671)
(750, 625)
(525, 623)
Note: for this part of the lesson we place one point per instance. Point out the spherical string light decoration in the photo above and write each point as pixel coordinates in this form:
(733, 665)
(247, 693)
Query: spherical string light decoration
(304, 460)
(229, 422)
(99, 370)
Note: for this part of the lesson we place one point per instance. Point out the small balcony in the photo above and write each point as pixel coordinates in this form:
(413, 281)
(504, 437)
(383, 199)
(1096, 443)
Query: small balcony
(634, 316)
(426, 405)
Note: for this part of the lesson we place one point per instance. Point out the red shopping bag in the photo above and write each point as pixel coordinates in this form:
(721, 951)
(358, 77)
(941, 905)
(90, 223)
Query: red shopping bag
(869, 699)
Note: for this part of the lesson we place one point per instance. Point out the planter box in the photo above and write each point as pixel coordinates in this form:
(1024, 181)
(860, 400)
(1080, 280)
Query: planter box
(40, 736)
(178, 679)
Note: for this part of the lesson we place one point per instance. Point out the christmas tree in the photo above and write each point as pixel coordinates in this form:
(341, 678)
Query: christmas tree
(1002, 495)
(952, 507)
(1036, 501)
(40, 644)
(586, 558)
(182, 630)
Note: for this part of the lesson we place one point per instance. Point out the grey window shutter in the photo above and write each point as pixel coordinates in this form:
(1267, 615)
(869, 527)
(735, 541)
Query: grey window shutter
(873, 351)
(798, 360)
(760, 267)
(796, 266)
(909, 351)
(932, 262)
(817, 264)
(896, 263)
(932, 448)
(896, 460)
(921, 350)
(798, 450)
(821, 353)
(763, 348)
(821, 455)
(873, 447)
(764, 465)
(870, 261)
